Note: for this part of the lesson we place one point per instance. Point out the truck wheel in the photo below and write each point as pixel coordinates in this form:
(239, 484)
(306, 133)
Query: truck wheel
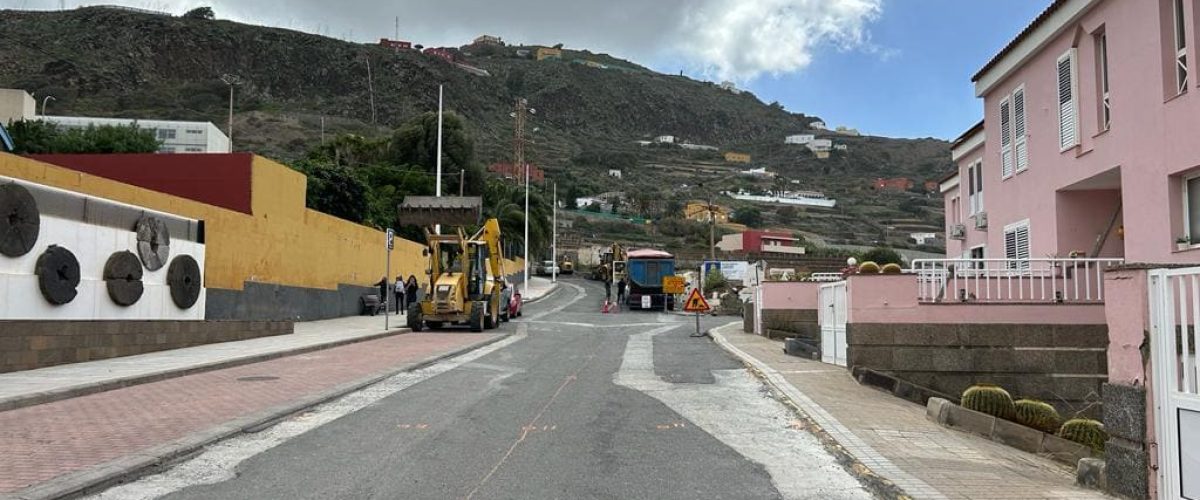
(492, 319)
(416, 319)
(477, 313)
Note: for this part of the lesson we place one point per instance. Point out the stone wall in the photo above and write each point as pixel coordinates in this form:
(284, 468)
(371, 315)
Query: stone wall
(1125, 456)
(26, 345)
(783, 323)
(1063, 365)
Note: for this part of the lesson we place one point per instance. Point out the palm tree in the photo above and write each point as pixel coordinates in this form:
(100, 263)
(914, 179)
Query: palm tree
(506, 202)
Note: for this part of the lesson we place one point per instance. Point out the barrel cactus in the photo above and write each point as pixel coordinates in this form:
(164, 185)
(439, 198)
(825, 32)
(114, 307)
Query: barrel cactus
(892, 269)
(1038, 415)
(990, 399)
(868, 267)
(1085, 431)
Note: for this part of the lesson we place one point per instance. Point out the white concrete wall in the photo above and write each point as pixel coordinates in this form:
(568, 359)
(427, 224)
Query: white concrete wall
(20, 297)
(15, 105)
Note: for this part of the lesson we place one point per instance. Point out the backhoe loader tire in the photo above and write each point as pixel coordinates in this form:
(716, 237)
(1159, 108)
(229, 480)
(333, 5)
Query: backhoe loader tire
(416, 319)
(477, 313)
(492, 320)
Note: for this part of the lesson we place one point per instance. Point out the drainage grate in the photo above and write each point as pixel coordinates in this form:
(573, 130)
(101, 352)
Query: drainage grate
(257, 378)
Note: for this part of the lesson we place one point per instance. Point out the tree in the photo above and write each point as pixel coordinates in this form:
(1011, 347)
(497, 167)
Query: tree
(335, 190)
(415, 143)
(714, 281)
(749, 216)
(506, 202)
(40, 137)
(200, 13)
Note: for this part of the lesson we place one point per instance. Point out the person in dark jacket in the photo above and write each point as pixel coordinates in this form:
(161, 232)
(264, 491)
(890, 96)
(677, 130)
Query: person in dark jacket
(383, 292)
(410, 289)
(620, 292)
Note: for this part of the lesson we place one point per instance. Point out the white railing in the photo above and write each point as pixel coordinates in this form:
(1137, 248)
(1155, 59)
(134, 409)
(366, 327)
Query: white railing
(1053, 280)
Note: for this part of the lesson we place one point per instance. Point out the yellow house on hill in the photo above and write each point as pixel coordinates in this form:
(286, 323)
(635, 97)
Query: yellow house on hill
(548, 53)
(698, 211)
(732, 157)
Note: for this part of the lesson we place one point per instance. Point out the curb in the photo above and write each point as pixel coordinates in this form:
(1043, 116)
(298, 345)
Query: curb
(160, 457)
(875, 483)
(51, 396)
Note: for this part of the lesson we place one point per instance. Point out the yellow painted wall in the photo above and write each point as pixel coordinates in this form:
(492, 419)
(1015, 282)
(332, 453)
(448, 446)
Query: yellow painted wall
(282, 243)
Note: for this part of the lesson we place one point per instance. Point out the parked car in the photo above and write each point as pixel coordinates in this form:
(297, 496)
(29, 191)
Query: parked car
(547, 268)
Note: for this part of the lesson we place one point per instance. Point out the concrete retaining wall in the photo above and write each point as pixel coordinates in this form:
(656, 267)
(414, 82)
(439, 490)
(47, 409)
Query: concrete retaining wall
(26, 345)
(1064, 365)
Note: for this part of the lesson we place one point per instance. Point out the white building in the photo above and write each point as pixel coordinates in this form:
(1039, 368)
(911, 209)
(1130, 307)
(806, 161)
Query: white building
(730, 86)
(175, 136)
(799, 139)
(922, 238)
(847, 131)
(665, 139)
(16, 105)
(614, 173)
(759, 172)
(841, 147)
(697, 147)
(818, 125)
(820, 145)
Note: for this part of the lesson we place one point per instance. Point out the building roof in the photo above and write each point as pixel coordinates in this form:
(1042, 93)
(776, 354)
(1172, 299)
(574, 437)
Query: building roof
(975, 129)
(949, 175)
(647, 253)
(1041, 18)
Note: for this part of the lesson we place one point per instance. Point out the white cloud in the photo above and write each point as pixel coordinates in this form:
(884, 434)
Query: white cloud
(725, 39)
(742, 39)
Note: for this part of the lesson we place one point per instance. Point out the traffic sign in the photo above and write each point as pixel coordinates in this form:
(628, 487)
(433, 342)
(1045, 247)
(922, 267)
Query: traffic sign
(674, 284)
(696, 303)
(391, 238)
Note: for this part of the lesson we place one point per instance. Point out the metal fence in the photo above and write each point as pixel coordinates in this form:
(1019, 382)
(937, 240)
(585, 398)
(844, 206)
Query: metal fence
(1050, 280)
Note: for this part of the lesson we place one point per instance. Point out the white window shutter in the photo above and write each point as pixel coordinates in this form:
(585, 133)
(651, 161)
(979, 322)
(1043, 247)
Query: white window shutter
(1006, 159)
(1020, 149)
(1068, 126)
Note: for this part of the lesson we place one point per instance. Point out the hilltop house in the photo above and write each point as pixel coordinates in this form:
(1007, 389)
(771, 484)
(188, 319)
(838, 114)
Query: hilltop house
(665, 139)
(733, 157)
(895, 184)
(759, 242)
(698, 211)
(820, 147)
(396, 45)
(543, 53)
(514, 172)
(487, 40)
(818, 125)
(800, 139)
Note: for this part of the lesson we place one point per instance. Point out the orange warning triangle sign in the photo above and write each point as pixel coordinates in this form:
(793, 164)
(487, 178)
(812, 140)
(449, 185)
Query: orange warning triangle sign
(695, 302)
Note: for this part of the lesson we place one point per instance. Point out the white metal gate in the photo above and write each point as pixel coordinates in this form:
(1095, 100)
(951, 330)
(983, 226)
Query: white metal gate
(832, 318)
(1174, 321)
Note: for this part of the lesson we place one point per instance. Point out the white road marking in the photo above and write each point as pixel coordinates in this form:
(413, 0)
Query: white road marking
(734, 411)
(218, 462)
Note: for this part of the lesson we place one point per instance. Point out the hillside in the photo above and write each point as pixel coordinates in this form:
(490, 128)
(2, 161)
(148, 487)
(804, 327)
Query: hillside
(107, 62)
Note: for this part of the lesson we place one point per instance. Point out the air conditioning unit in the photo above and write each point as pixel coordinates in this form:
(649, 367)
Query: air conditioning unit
(958, 232)
(981, 220)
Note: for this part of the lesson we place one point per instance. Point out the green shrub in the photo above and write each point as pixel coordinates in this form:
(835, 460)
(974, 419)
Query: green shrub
(882, 255)
(990, 399)
(868, 267)
(1038, 415)
(1085, 431)
(892, 268)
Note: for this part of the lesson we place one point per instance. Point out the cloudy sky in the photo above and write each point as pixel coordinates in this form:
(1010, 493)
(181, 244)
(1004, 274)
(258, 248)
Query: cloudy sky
(888, 67)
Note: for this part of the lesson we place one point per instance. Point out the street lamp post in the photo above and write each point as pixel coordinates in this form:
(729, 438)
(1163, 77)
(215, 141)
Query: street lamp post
(554, 238)
(44, 99)
(522, 108)
(231, 81)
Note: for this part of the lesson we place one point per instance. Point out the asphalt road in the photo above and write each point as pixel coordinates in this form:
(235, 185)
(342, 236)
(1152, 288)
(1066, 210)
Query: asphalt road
(576, 404)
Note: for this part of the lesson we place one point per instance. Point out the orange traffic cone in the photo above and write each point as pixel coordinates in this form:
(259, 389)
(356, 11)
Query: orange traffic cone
(606, 307)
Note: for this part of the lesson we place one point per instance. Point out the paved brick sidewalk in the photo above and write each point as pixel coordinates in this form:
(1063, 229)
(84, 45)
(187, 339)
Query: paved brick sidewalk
(893, 438)
(42, 442)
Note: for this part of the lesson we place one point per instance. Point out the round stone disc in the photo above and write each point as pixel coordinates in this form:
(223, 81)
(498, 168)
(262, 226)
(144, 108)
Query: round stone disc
(153, 242)
(20, 221)
(123, 278)
(183, 278)
(58, 275)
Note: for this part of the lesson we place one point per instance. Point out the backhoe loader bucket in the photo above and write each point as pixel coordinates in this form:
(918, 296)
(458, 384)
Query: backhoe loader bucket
(444, 210)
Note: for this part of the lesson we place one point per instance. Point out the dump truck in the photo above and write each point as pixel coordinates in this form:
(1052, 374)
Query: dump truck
(647, 268)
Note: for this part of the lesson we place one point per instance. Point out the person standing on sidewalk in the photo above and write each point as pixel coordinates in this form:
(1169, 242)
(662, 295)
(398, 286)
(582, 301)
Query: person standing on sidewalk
(383, 292)
(607, 288)
(410, 290)
(401, 301)
(620, 293)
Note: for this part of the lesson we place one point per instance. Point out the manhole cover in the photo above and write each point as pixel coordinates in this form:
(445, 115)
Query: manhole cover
(257, 378)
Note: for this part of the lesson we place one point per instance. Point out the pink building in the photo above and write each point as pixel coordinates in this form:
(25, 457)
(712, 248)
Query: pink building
(1087, 149)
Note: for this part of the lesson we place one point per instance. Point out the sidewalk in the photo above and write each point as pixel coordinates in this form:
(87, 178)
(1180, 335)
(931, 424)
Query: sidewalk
(893, 438)
(54, 449)
(539, 288)
(24, 388)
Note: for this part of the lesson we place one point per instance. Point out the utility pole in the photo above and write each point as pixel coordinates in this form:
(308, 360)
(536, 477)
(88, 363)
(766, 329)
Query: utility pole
(371, 89)
(554, 238)
(712, 229)
(397, 28)
(231, 81)
(462, 179)
(518, 114)
(322, 129)
(437, 229)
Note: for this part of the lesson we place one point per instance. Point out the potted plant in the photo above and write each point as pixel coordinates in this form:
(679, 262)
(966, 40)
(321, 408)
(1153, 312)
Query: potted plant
(1183, 242)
